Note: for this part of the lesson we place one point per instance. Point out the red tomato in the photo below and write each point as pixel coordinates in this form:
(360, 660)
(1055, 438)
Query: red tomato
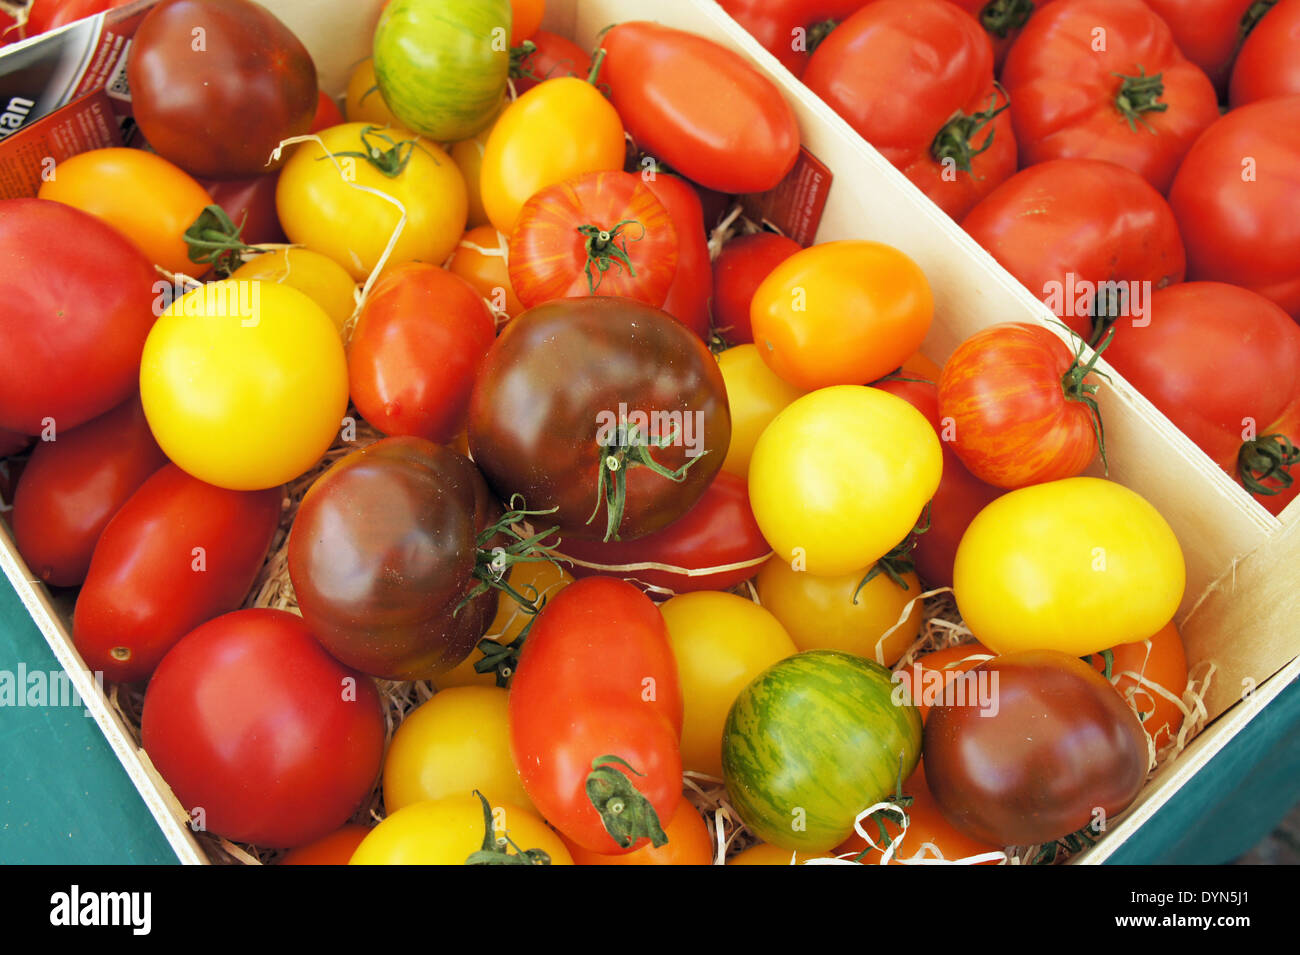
(579, 695)
(76, 304)
(1160, 660)
(1237, 204)
(250, 202)
(692, 288)
(417, 348)
(790, 29)
(12, 443)
(1064, 226)
(738, 271)
(718, 531)
(552, 55)
(700, 107)
(1020, 407)
(1207, 32)
(1267, 65)
(45, 15)
(915, 79)
(1103, 79)
(72, 487)
(178, 553)
(327, 113)
(525, 18)
(263, 736)
(961, 495)
(1223, 363)
(602, 233)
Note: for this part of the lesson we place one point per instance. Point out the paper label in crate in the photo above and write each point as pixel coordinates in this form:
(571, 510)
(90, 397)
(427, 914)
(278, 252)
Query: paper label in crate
(31, 155)
(796, 205)
(46, 72)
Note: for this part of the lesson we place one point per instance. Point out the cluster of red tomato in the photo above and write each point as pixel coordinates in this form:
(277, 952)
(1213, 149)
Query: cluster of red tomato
(533, 338)
(1130, 179)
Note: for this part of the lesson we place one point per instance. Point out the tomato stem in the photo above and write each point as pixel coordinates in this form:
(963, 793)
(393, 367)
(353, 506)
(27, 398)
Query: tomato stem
(496, 849)
(629, 450)
(818, 32)
(1269, 457)
(1000, 17)
(1077, 387)
(597, 61)
(391, 162)
(1140, 94)
(956, 140)
(1250, 19)
(213, 239)
(603, 250)
(626, 814)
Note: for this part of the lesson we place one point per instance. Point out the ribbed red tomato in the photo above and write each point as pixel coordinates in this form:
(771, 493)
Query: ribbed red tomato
(692, 289)
(602, 233)
(790, 29)
(1267, 65)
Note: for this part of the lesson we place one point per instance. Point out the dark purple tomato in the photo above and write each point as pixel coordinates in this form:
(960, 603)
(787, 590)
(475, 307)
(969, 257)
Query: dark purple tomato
(72, 486)
(382, 553)
(610, 411)
(216, 85)
(1053, 749)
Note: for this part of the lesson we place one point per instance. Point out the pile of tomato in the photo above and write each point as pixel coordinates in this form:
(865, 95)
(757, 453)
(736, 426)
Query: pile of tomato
(638, 509)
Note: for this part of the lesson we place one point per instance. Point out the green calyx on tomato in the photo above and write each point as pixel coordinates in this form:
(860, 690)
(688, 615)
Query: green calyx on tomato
(1072, 843)
(1250, 19)
(1000, 17)
(603, 250)
(629, 450)
(496, 849)
(956, 140)
(1140, 94)
(214, 239)
(899, 560)
(1078, 388)
(818, 32)
(626, 814)
(1268, 457)
(392, 162)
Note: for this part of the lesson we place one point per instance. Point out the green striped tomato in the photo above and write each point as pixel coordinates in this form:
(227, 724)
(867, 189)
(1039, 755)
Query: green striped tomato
(442, 66)
(813, 741)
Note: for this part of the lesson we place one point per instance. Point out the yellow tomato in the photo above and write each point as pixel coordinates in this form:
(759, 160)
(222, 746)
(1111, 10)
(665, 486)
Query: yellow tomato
(721, 642)
(1077, 565)
(325, 281)
(468, 156)
(559, 129)
(841, 313)
(455, 743)
(448, 831)
(832, 613)
(756, 394)
(535, 579)
(766, 854)
(480, 260)
(363, 102)
(840, 477)
(322, 208)
(244, 383)
(140, 194)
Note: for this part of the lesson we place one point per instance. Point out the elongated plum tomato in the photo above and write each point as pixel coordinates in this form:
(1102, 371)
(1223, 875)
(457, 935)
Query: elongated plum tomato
(442, 67)
(700, 107)
(601, 233)
(609, 410)
(244, 383)
(73, 318)
(217, 85)
(1077, 566)
(1005, 786)
(72, 487)
(176, 554)
(810, 466)
(1022, 406)
(560, 129)
(382, 553)
(841, 313)
(417, 347)
(250, 721)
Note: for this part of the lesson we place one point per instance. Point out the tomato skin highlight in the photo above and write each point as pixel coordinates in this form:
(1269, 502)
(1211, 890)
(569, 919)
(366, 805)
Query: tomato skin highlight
(178, 553)
(72, 487)
(1012, 422)
(249, 719)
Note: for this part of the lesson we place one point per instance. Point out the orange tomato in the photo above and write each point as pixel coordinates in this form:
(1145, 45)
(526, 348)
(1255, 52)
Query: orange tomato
(950, 662)
(480, 259)
(841, 313)
(765, 854)
(334, 849)
(1161, 660)
(525, 18)
(688, 844)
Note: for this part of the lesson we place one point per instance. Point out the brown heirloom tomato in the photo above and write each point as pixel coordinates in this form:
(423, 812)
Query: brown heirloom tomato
(610, 411)
(382, 553)
(217, 84)
(1055, 749)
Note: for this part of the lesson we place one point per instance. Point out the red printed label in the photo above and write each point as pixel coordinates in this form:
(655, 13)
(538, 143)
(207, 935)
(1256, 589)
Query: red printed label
(32, 154)
(796, 205)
